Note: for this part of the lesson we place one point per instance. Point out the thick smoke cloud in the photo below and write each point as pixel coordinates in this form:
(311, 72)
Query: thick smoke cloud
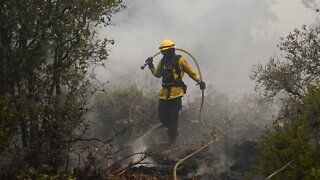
(227, 37)
(310, 3)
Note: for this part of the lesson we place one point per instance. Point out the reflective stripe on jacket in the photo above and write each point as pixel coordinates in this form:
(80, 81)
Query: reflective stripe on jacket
(175, 91)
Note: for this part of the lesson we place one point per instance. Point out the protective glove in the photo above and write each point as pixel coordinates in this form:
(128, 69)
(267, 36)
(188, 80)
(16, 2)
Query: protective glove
(202, 85)
(149, 62)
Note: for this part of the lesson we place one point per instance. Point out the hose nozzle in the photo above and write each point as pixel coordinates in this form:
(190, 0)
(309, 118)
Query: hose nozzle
(143, 66)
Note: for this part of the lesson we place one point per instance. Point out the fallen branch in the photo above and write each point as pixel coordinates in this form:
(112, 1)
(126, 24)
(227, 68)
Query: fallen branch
(143, 155)
(107, 141)
(131, 164)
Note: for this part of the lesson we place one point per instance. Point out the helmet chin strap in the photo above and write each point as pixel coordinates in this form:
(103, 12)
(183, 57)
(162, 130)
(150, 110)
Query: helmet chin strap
(202, 93)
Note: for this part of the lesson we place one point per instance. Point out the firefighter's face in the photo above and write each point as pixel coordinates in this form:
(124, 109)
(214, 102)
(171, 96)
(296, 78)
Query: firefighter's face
(164, 52)
(167, 52)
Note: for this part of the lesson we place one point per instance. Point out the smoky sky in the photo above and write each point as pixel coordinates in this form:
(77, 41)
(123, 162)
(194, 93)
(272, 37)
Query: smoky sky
(310, 3)
(227, 37)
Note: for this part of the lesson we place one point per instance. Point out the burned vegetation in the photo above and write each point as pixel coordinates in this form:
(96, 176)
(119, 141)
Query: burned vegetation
(232, 127)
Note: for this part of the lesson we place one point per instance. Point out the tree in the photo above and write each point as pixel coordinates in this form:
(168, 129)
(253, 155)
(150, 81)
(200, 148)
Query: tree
(296, 142)
(297, 67)
(46, 47)
(292, 144)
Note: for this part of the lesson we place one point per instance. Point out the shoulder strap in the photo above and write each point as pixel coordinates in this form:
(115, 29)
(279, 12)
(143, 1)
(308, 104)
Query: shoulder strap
(176, 64)
(161, 67)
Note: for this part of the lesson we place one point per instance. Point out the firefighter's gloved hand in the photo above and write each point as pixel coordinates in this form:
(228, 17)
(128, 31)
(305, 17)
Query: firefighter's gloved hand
(202, 85)
(149, 62)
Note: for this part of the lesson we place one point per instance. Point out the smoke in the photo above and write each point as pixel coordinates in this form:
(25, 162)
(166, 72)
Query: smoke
(310, 4)
(131, 116)
(226, 37)
(140, 145)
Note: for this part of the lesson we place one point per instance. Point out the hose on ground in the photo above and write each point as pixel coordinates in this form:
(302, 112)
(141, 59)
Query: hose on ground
(190, 155)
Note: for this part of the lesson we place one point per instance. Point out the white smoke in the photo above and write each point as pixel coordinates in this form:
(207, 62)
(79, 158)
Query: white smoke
(312, 4)
(140, 145)
(227, 37)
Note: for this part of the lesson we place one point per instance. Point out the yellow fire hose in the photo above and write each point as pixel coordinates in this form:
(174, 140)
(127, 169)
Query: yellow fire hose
(190, 155)
(202, 96)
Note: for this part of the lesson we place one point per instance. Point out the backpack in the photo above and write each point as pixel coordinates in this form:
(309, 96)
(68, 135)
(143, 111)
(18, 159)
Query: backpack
(168, 80)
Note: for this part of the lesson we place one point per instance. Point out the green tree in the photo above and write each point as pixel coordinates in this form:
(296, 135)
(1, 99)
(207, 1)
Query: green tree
(296, 142)
(46, 47)
(295, 136)
(298, 65)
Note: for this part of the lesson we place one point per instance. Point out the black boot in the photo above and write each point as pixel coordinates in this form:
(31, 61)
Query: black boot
(172, 136)
(172, 141)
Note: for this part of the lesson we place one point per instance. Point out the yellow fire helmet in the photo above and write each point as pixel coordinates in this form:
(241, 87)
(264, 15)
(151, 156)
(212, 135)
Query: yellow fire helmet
(166, 44)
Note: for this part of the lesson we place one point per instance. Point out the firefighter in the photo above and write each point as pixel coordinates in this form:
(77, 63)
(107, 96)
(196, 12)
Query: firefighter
(171, 69)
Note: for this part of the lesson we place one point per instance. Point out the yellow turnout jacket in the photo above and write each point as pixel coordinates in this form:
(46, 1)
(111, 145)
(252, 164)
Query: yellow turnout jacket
(175, 91)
